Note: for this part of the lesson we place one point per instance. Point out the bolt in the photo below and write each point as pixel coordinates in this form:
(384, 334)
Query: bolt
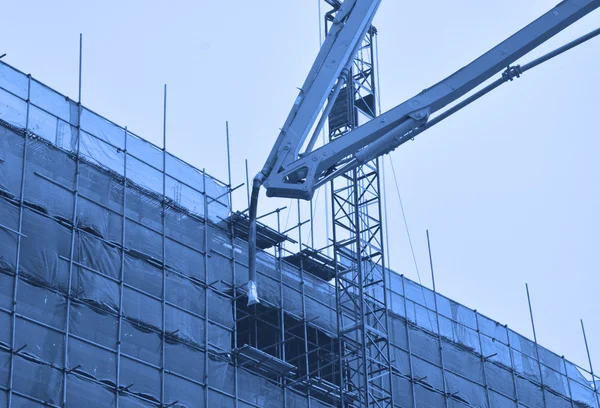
(315, 158)
(286, 147)
(418, 115)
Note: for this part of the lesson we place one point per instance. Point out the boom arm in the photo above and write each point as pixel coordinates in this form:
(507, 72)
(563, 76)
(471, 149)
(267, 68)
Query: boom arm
(289, 173)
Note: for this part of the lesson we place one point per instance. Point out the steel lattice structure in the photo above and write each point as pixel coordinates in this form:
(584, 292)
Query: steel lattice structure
(360, 281)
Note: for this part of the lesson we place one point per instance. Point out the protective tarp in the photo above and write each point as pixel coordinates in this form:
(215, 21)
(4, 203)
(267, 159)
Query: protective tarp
(128, 401)
(5, 321)
(185, 260)
(142, 308)
(102, 128)
(465, 390)
(4, 367)
(45, 249)
(13, 111)
(492, 329)
(40, 342)
(117, 287)
(185, 184)
(185, 360)
(82, 392)
(143, 275)
(499, 400)
(424, 344)
(46, 126)
(102, 154)
(181, 393)
(144, 175)
(221, 373)
(429, 374)
(49, 179)
(401, 387)
(140, 342)
(185, 326)
(92, 323)
(581, 388)
(426, 397)
(37, 380)
(496, 350)
(185, 173)
(22, 402)
(188, 295)
(145, 242)
(100, 187)
(95, 289)
(144, 151)
(92, 361)
(529, 393)
(13, 81)
(553, 371)
(97, 255)
(184, 196)
(99, 220)
(184, 228)
(463, 362)
(219, 400)
(53, 102)
(6, 290)
(500, 378)
(142, 379)
(558, 401)
(11, 161)
(398, 331)
(185, 294)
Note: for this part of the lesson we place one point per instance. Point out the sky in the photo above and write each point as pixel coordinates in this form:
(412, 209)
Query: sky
(508, 187)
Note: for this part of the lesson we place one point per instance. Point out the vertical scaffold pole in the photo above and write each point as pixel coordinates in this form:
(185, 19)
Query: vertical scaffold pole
(587, 349)
(74, 227)
(537, 350)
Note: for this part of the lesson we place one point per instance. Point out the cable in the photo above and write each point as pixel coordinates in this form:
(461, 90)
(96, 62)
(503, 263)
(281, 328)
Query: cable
(384, 192)
(412, 250)
(287, 219)
(314, 211)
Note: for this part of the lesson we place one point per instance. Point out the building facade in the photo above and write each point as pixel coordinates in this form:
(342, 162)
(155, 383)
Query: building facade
(122, 273)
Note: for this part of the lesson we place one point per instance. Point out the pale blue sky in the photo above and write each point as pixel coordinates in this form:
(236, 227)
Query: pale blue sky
(508, 187)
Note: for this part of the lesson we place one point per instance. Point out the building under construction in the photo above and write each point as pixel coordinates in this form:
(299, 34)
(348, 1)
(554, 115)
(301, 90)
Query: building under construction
(123, 275)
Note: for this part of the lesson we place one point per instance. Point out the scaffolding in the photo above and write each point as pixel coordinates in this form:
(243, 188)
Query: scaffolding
(122, 280)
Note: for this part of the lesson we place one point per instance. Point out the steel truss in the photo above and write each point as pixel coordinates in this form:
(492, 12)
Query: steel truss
(362, 313)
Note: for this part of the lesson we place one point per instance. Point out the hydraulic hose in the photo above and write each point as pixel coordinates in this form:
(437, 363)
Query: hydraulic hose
(252, 287)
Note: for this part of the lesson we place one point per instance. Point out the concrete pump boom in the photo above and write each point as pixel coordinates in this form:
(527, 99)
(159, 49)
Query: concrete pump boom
(294, 172)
